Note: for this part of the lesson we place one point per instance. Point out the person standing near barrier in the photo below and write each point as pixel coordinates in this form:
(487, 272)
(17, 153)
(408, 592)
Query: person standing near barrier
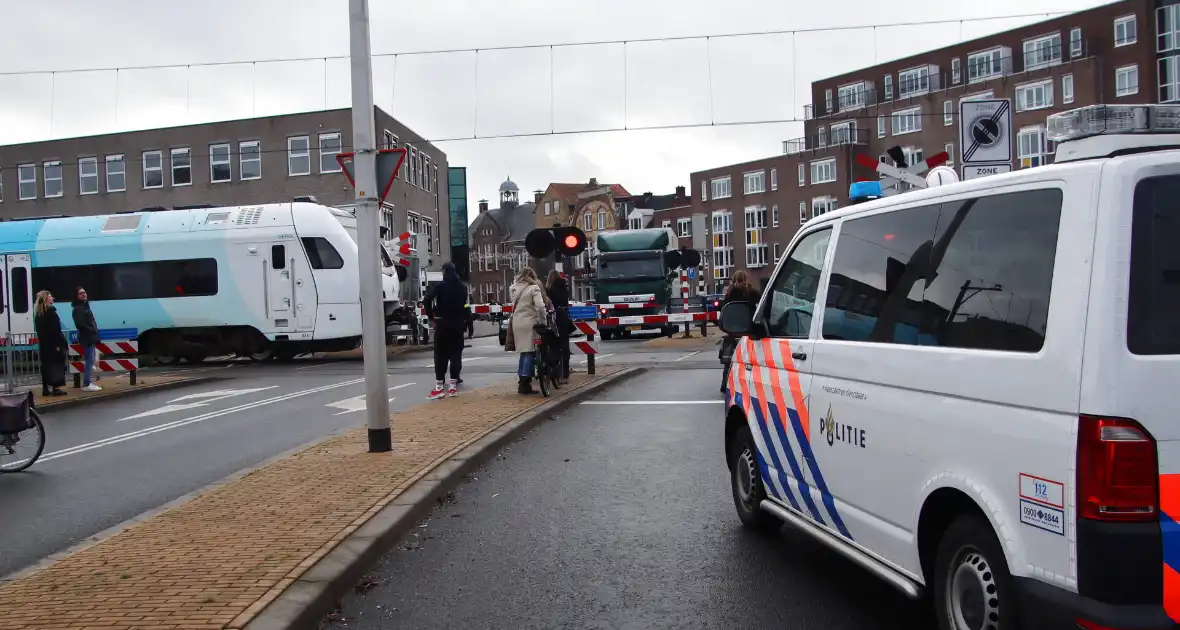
(741, 289)
(87, 337)
(528, 310)
(446, 306)
(559, 295)
(51, 345)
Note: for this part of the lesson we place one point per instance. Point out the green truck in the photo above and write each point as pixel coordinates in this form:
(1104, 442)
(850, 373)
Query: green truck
(631, 270)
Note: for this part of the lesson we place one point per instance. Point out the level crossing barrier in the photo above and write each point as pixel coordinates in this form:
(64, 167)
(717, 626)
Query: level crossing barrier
(110, 357)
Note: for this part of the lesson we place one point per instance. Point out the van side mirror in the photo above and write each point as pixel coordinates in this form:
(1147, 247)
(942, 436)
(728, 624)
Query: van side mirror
(737, 318)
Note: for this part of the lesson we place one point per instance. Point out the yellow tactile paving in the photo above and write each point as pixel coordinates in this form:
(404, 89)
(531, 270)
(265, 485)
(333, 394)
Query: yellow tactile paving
(219, 559)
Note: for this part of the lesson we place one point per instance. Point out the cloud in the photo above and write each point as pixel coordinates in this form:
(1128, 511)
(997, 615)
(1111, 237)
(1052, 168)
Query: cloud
(492, 92)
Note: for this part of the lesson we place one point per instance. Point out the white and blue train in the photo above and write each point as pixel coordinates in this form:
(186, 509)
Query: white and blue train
(258, 281)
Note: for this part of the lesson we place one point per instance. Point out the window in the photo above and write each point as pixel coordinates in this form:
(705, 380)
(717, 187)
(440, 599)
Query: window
(329, 149)
(548, 208)
(428, 230)
(842, 133)
(20, 290)
(684, 227)
(907, 121)
(391, 141)
(822, 139)
(1067, 88)
(667, 223)
(182, 167)
(776, 253)
(587, 222)
(802, 175)
(53, 187)
(793, 291)
(956, 71)
(249, 160)
(1075, 42)
(1030, 147)
(704, 190)
(913, 82)
(88, 176)
(774, 179)
(950, 154)
(1044, 51)
(159, 279)
(116, 174)
(803, 212)
(889, 87)
(321, 254)
(754, 182)
(278, 257)
(828, 100)
(1126, 81)
(774, 215)
(1034, 95)
(26, 175)
(1124, 31)
(823, 171)
(852, 96)
(881, 127)
(220, 163)
(602, 219)
(756, 251)
(948, 114)
(985, 65)
(1152, 325)
(722, 247)
(298, 156)
(1167, 28)
(720, 187)
(1169, 77)
(424, 172)
(822, 205)
(153, 169)
(634, 223)
(876, 278)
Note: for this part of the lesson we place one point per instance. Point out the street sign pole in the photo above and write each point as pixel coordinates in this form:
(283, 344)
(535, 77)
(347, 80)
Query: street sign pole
(368, 227)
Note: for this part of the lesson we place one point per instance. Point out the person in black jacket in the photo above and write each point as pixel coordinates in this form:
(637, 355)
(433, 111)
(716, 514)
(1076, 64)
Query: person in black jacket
(741, 289)
(559, 294)
(87, 336)
(446, 306)
(51, 345)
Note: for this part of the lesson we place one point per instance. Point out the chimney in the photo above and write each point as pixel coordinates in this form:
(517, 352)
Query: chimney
(537, 194)
(680, 192)
(483, 206)
(593, 182)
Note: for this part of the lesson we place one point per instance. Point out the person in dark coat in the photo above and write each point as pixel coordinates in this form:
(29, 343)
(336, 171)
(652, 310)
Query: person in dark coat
(741, 289)
(51, 343)
(446, 305)
(87, 336)
(559, 294)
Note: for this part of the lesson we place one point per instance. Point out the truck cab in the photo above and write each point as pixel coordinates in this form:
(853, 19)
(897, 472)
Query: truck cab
(633, 278)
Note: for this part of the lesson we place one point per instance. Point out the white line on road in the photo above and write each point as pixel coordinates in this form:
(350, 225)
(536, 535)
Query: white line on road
(209, 397)
(654, 402)
(690, 354)
(466, 360)
(357, 403)
(74, 450)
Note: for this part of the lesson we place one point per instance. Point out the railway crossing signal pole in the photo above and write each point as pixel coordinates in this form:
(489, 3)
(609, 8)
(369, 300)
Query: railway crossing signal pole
(368, 227)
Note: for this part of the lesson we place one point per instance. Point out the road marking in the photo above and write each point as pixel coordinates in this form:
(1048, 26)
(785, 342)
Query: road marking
(654, 402)
(690, 354)
(308, 367)
(357, 403)
(466, 360)
(213, 396)
(81, 448)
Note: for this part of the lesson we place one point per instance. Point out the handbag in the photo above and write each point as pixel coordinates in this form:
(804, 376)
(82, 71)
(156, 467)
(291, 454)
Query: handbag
(509, 337)
(14, 412)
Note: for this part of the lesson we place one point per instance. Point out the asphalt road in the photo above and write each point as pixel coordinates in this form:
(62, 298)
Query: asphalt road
(616, 516)
(107, 462)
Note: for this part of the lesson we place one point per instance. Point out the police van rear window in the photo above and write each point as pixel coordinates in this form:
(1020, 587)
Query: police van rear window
(1153, 310)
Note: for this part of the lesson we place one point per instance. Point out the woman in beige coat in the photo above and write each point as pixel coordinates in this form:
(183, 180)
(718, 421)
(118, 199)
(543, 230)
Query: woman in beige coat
(528, 310)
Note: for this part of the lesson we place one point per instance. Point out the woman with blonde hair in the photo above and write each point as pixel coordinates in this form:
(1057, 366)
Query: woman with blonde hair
(528, 310)
(51, 343)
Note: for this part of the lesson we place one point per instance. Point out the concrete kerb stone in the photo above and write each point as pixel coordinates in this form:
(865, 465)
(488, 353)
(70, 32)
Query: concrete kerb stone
(124, 393)
(316, 592)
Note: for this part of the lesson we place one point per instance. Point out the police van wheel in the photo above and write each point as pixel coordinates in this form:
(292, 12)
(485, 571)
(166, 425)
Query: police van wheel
(972, 586)
(746, 482)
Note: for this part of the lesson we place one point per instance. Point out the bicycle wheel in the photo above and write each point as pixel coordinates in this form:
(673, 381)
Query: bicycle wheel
(544, 376)
(18, 451)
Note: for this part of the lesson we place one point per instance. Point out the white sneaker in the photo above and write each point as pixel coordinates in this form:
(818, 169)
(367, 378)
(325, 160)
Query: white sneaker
(92, 388)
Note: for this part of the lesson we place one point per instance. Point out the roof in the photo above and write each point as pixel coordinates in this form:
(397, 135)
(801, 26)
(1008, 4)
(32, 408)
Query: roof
(509, 186)
(514, 222)
(659, 202)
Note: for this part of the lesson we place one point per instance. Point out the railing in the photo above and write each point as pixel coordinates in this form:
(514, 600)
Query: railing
(841, 136)
(22, 362)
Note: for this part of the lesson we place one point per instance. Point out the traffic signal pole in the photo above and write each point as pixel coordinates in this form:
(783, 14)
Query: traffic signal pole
(368, 229)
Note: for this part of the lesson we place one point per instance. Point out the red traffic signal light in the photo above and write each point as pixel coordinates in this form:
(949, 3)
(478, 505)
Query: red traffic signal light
(571, 241)
(568, 241)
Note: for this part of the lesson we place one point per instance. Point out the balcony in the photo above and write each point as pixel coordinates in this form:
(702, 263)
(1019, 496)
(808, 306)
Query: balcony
(840, 136)
(851, 100)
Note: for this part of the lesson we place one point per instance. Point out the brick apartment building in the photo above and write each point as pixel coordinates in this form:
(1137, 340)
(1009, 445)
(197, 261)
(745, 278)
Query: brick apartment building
(237, 162)
(1124, 52)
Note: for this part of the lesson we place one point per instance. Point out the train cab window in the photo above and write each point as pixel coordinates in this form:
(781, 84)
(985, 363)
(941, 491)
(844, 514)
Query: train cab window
(278, 257)
(321, 254)
(20, 290)
(792, 294)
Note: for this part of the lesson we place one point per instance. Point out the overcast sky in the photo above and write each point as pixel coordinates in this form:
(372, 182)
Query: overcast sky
(443, 95)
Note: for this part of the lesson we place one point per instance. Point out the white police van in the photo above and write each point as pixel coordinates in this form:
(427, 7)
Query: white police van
(965, 389)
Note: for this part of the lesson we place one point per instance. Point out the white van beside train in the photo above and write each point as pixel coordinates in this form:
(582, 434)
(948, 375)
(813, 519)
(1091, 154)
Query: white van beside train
(965, 389)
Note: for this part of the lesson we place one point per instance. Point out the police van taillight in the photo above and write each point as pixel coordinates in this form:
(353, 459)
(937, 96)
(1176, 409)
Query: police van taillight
(1117, 471)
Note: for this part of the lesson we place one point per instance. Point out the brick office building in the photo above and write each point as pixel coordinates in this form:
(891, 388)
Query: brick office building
(1124, 52)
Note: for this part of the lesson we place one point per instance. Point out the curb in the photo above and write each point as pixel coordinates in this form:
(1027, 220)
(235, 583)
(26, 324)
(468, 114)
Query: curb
(125, 393)
(303, 604)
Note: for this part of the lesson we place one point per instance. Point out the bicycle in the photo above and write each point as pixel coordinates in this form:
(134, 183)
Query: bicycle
(547, 363)
(20, 424)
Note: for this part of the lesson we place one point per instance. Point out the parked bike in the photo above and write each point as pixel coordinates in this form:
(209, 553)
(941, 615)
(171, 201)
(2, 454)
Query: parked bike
(22, 436)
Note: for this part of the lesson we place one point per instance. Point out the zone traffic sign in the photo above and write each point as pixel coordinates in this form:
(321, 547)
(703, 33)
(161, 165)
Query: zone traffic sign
(985, 131)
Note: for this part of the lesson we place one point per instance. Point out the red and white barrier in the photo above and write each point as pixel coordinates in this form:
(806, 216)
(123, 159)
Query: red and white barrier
(108, 347)
(635, 320)
(106, 365)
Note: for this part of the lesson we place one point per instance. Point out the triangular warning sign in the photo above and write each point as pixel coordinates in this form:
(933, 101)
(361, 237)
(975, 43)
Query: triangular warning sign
(345, 161)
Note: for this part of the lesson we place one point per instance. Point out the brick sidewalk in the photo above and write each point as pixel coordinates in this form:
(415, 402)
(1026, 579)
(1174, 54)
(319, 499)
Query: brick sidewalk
(217, 560)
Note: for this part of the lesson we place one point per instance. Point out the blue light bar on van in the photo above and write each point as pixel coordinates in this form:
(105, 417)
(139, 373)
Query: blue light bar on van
(864, 191)
(1096, 120)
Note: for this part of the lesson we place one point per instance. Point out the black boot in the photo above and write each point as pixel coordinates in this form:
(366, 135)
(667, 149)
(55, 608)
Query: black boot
(526, 386)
